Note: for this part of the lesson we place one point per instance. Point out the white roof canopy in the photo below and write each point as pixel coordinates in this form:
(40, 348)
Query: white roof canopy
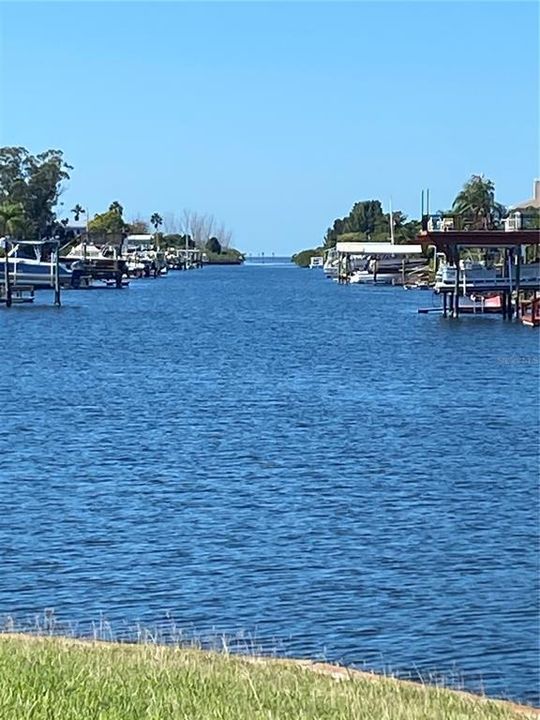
(140, 238)
(377, 248)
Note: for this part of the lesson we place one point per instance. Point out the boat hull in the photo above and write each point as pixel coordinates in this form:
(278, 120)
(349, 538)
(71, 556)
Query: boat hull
(35, 273)
(366, 277)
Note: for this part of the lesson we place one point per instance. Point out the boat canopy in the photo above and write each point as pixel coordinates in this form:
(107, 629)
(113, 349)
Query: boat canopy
(377, 248)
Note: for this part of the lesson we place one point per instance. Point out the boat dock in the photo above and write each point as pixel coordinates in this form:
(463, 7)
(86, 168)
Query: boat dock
(21, 275)
(19, 294)
(377, 263)
(480, 265)
(94, 262)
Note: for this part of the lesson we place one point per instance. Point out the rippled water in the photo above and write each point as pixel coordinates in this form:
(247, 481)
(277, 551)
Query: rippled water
(258, 448)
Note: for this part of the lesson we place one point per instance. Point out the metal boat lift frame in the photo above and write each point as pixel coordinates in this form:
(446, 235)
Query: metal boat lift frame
(453, 242)
(9, 287)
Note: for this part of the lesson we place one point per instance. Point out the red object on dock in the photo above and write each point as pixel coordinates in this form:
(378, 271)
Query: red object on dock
(481, 304)
(530, 312)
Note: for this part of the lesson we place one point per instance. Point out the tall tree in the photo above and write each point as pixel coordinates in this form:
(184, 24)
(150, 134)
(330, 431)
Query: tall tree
(138, 226)
(77, 211)
(476, 203)
(107, 223)
(34, 181)
(213, 246)
(156, 220)
(116, 208)
(366, 220)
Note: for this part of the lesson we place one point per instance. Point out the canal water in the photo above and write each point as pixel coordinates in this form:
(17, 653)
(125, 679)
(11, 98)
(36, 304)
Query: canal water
(256, 452)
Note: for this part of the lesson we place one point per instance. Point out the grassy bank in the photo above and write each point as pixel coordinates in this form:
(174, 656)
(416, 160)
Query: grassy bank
(59, 679)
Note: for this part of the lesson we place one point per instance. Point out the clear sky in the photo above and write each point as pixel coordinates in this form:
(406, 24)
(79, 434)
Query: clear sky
(274, 117)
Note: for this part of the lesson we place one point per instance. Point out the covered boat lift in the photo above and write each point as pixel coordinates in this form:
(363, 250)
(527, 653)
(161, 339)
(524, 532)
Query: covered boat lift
(378, 248)
(452, 236)
(347, 252)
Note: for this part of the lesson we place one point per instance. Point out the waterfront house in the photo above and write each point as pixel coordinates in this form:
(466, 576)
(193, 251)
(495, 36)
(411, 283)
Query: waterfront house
(533, 202)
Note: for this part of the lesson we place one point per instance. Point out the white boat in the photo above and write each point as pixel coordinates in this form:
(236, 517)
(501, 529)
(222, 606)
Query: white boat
(316, 261)
(385, 269)
(331, 263)
(334, 263)
(378, 262)
(33, 271)
(87, 252)
(476, 276)
(27, 271)
(136, 267)
(368, 277)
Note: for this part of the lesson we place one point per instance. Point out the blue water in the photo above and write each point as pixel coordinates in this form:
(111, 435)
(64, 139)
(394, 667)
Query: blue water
(259, 449)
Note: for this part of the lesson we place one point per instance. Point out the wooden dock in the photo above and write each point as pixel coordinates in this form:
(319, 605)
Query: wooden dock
(17, 294)
(513, 287)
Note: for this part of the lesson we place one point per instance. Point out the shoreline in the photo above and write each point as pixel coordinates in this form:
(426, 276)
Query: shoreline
(339, 673)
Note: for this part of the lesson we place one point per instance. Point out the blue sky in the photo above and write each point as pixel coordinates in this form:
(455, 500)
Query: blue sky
(274, 117)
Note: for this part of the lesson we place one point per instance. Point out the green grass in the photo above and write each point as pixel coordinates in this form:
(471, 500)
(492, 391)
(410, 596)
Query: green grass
(60, 679)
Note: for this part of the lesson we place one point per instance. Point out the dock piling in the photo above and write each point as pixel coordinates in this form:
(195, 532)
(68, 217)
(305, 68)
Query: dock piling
(7, 279)
(57, 300)
(456, 286)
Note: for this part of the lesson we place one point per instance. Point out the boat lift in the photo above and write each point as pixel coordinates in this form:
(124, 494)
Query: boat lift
(452, 237)
(12, 291)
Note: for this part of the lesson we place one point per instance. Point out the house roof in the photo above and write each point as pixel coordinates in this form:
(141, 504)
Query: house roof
(534, 202)
(75, 225)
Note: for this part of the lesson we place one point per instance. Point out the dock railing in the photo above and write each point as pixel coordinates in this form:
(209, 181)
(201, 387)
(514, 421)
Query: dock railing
(458, 222)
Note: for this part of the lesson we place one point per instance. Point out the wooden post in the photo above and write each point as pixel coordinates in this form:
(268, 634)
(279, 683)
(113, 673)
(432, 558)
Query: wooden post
(445, 300)
(456, 284)
(7, 279)
(403, 272)
(518, 280)
(57, 276)
(508, 256)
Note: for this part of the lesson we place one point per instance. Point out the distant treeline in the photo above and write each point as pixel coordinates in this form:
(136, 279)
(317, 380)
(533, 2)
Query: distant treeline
(367, 222)
(30, 190)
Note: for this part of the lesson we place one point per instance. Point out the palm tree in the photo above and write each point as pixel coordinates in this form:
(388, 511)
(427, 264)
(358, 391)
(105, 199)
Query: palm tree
(116, 207)
(24, 228)
(477, 203)
(156, 220)
(11, 218)
(77, 211)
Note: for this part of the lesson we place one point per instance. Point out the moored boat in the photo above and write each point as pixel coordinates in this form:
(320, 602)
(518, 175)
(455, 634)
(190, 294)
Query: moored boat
(34, 272)
(477, 276)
